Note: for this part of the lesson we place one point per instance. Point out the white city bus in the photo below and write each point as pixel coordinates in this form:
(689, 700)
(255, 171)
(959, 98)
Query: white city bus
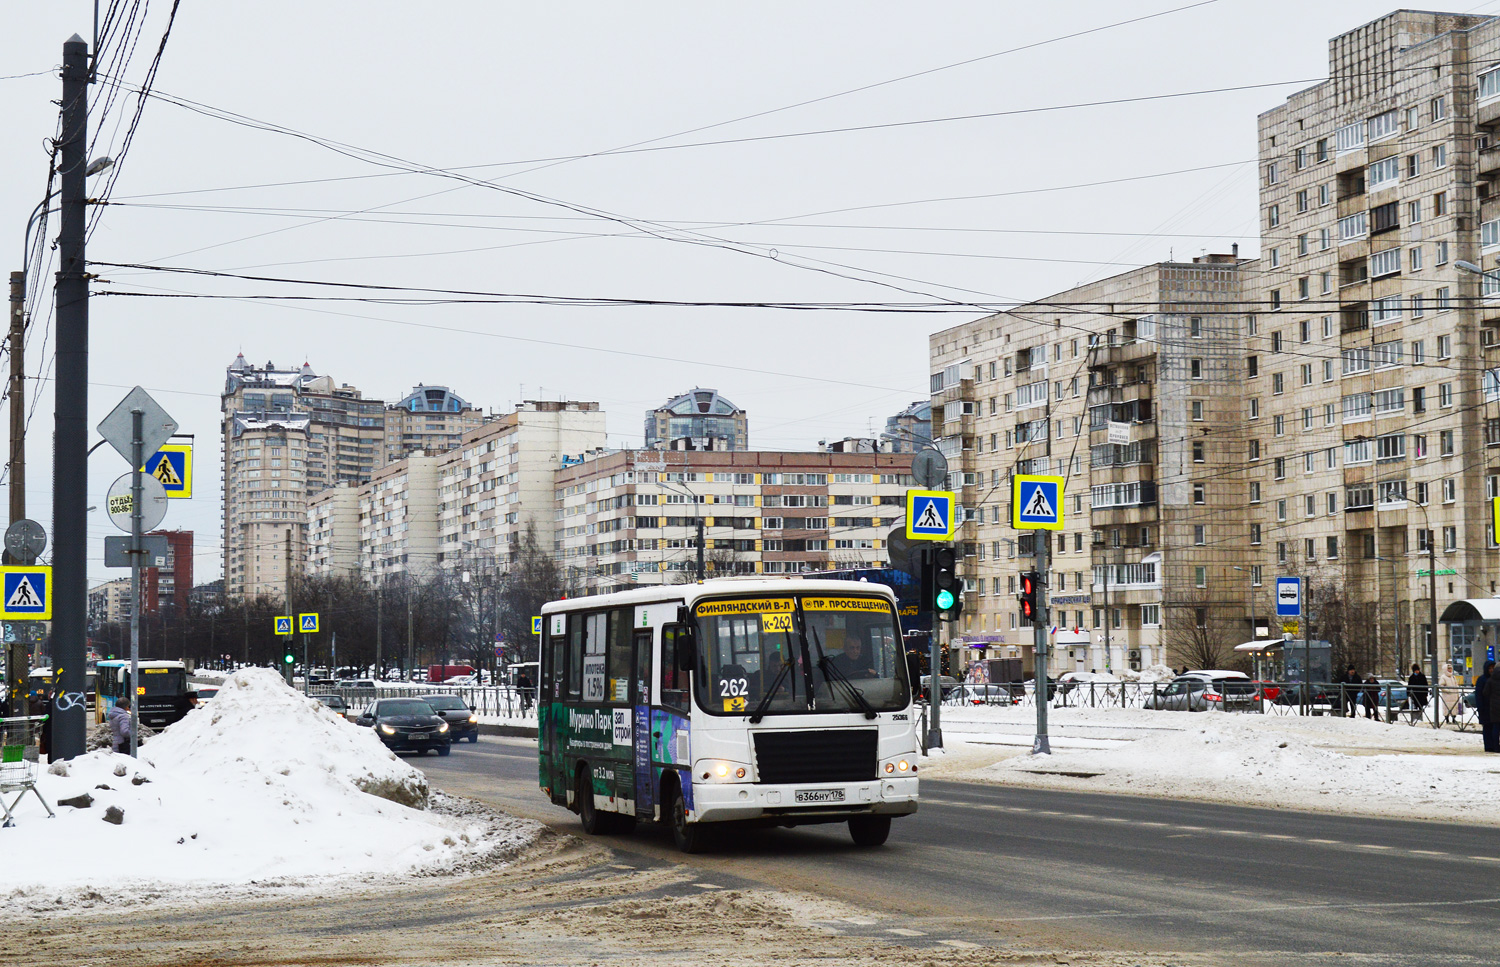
(771, 701)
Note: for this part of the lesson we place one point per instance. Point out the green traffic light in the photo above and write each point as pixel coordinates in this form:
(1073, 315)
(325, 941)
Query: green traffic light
(945, 600)
(289, 659)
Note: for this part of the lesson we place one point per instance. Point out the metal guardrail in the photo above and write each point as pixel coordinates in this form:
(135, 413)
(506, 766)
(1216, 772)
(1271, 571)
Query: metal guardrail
(1268, 698)
(497, 700)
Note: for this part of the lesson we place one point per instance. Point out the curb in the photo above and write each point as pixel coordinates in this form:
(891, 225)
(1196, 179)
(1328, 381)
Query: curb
(513, 731)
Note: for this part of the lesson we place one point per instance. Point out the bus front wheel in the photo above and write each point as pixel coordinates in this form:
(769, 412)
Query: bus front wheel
(870, 830)
(689, 837)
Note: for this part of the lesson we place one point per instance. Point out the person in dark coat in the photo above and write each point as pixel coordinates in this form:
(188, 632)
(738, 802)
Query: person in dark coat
(1371, 696)
(1350, 687)
(1487, 704)
(524, 689)
(1416, 689)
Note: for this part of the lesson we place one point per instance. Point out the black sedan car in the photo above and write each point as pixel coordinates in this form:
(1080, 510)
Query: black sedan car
(462, 722)
(407, 724)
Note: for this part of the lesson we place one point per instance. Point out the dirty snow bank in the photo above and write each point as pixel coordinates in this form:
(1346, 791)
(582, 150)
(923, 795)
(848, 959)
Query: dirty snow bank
(1331, 765)
(260, 785)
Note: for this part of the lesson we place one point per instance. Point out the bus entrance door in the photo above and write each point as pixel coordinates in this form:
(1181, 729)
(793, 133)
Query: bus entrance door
(645, 802)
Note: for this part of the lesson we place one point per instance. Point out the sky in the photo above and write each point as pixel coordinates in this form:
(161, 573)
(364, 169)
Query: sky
(835, 160)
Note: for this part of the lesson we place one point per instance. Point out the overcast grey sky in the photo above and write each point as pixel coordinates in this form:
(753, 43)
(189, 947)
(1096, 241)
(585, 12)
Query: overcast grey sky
(816, 218)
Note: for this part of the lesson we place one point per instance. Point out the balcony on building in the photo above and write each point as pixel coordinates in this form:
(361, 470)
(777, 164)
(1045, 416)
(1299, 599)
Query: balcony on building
(1354, 317)
(1134, 341)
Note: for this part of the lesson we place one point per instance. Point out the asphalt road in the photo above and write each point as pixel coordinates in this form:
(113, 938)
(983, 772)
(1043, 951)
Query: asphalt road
(995, 864)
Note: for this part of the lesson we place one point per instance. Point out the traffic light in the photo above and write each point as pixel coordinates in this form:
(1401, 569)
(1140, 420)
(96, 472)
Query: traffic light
(1030, 595)
(289, 658)
(947, 587)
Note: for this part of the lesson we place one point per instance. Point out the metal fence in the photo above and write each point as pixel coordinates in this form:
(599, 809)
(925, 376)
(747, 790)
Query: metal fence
(1443, 707)
(500, 701)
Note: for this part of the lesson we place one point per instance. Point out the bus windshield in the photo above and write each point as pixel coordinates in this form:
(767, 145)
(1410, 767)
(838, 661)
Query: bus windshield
(807, 652)
(163, 682)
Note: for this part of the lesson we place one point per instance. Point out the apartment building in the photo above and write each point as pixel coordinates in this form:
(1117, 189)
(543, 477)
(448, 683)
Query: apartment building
(398, 519)
(698, 420)
(1130, 389)
(167, 588)
(500, 481)
(333, 535)
(288, 434)
(109, 603)
(631, 518)
(429, 418)
(1371, 406)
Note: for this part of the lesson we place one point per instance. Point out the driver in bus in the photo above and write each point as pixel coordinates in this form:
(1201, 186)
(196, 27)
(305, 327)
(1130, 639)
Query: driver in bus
(852, 661)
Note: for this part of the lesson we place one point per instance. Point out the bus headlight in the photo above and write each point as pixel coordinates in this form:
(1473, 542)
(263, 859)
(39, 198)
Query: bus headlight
(721, 770)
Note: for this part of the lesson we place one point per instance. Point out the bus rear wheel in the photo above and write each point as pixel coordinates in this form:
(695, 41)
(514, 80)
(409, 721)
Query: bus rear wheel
(870, 830)
(689, 837)
(594, 822)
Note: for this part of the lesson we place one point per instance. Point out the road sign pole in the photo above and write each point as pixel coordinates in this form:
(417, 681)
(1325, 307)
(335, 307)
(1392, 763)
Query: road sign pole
(137, 451)
(1041, 746)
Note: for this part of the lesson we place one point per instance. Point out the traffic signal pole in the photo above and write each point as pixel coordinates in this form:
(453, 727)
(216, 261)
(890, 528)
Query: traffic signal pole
(935, 660)
(1040, 745)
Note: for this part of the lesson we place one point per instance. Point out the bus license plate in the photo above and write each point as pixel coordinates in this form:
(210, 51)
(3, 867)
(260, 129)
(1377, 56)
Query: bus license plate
(820, 795)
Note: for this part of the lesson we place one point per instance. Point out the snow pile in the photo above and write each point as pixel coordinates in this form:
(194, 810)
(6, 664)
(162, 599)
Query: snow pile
(1151, 673)
(1336, 765)
(257, 725)
(259, 786)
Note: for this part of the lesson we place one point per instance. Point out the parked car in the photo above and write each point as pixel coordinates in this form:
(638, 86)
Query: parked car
(407, 723)
(947, 681)
(984, 693)
(1082, 687)
(205, 692)
(368, 683)
(462, 722)
(1201, 691)
(335, 703)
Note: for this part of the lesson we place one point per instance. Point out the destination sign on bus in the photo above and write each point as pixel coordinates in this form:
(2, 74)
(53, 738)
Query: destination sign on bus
(709, 609)
(845, 604)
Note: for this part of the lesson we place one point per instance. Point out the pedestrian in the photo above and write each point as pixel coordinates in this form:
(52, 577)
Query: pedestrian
(119, 725)
(43, 707)
(1487, 704)
(1349, 684)
(524, 686)
(1371, 693)
(1416, 689)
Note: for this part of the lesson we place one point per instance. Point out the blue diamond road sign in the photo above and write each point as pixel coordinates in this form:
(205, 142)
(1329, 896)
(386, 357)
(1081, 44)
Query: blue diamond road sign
(1288, 597)
(929, 514)
(1036, 502)
(283, 624)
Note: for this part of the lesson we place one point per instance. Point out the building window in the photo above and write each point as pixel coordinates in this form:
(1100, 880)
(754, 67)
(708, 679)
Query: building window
(1440, 156)
(1195, 368)
(1278, 383)
(1200, 579)
(1199, 493)
(1198, 451)
(1197, 410)
(1273, 219)
(1255, 491)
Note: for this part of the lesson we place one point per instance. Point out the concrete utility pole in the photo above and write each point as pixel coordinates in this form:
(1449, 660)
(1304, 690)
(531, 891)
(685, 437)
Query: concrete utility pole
(700, 542)
(287, 570)
(379, 595)
(71, 394)
(410, 651)
(1437, 714)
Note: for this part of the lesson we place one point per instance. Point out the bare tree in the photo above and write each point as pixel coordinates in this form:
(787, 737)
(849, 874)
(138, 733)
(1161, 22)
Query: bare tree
(1199, 637)
(534, 579)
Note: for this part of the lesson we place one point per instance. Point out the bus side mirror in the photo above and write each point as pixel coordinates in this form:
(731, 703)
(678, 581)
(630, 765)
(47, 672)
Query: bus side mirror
(680, 638)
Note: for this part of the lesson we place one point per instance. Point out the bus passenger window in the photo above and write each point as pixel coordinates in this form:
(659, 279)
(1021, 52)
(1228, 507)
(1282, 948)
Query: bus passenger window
(674, 683)
(575, 656)
(617, 675)
(642, 694)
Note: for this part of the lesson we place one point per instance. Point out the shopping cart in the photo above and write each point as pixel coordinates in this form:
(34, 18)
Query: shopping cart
(18, 763)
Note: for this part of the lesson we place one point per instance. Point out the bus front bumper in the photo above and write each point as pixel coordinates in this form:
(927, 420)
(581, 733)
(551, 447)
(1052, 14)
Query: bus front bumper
(804, 803)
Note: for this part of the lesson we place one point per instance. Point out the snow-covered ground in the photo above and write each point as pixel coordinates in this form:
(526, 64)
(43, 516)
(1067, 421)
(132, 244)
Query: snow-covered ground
(258, 786)
(1351, 765)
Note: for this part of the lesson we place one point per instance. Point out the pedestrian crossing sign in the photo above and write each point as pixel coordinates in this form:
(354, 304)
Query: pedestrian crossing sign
(283, 624)
(536, 624)
(307, 622)
(1036, 502)
(929, 514)
(172, 465)
(26, 593)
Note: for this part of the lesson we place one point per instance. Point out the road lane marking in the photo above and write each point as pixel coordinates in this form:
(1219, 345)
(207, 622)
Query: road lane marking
(905, 932)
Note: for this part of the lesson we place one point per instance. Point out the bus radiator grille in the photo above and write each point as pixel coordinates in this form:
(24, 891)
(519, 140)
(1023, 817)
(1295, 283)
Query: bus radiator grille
(816, 755)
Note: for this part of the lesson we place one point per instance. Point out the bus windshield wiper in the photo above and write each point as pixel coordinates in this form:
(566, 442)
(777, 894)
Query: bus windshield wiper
(833, 674)
(765, 702)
